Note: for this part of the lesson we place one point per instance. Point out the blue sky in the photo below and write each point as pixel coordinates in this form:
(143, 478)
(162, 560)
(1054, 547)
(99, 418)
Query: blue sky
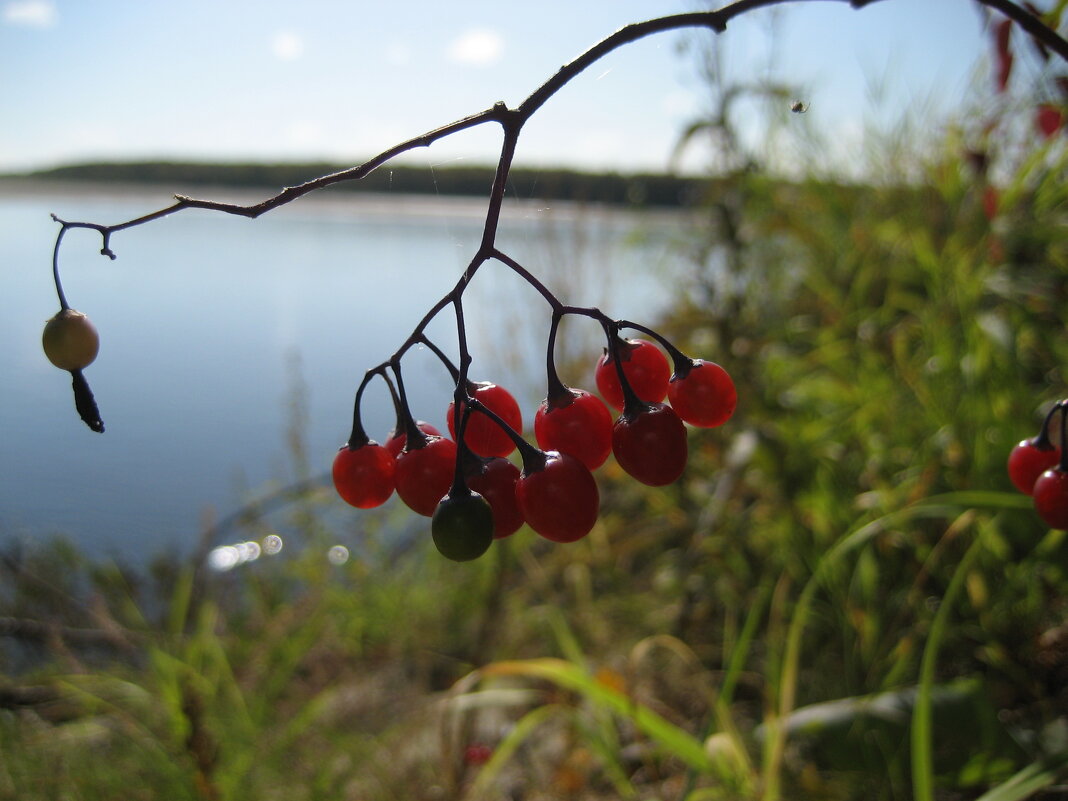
(324, 79)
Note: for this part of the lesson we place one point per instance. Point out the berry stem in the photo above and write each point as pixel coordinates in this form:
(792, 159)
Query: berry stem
(1042, 440)
(403, 414)
(681, 363)
(527, 276)
(453, 371)
(63, 305)
(461, 408)
(533, 458)
(557, 394)
(416, 437)
(358, 437)
(632, 404)
(1063, 407)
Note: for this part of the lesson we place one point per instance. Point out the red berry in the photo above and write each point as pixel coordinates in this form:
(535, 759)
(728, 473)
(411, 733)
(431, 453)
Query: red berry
(559, 500)
(651, 444)
(1027, 461)
(364, 476)
(1048, 119)
(991, 202)
(580, 425)
(1051, 498)
(495, 479)
(425, 474)
(477, 754)
(705, 396)
(398, 438)
(483, 435)
(645, 366)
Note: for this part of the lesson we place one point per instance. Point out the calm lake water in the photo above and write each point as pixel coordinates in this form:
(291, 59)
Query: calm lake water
(220, 336)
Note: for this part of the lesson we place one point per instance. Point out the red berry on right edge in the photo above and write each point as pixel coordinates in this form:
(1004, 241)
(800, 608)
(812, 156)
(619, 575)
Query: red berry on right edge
(1051, 498)
(651, 444)
(705, 396)
(645, 366)
(425, 474)
(1027, 461)
(559, 500)
(364, 476)
(581, 426)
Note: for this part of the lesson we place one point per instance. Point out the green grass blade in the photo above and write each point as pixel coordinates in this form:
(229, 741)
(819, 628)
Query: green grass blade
(922, 764)
(1026, 782)
(681, 744)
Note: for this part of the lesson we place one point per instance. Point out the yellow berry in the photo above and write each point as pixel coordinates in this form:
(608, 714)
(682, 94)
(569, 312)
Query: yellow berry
(70, 341)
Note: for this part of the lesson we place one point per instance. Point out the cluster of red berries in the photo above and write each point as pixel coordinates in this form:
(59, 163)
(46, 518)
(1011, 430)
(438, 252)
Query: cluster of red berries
(1038, 468)
(475, 494)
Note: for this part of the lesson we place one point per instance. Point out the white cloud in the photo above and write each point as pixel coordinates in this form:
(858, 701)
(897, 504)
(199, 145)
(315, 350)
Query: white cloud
(31, 13)
(287, 46)
(479, 47)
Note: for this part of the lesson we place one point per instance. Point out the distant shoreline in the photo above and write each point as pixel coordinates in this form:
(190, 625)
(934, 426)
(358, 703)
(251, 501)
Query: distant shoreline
(640, 190)
(364, 204)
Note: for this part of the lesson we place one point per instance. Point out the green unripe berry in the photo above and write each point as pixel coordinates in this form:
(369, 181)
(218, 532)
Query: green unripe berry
(462, 526)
